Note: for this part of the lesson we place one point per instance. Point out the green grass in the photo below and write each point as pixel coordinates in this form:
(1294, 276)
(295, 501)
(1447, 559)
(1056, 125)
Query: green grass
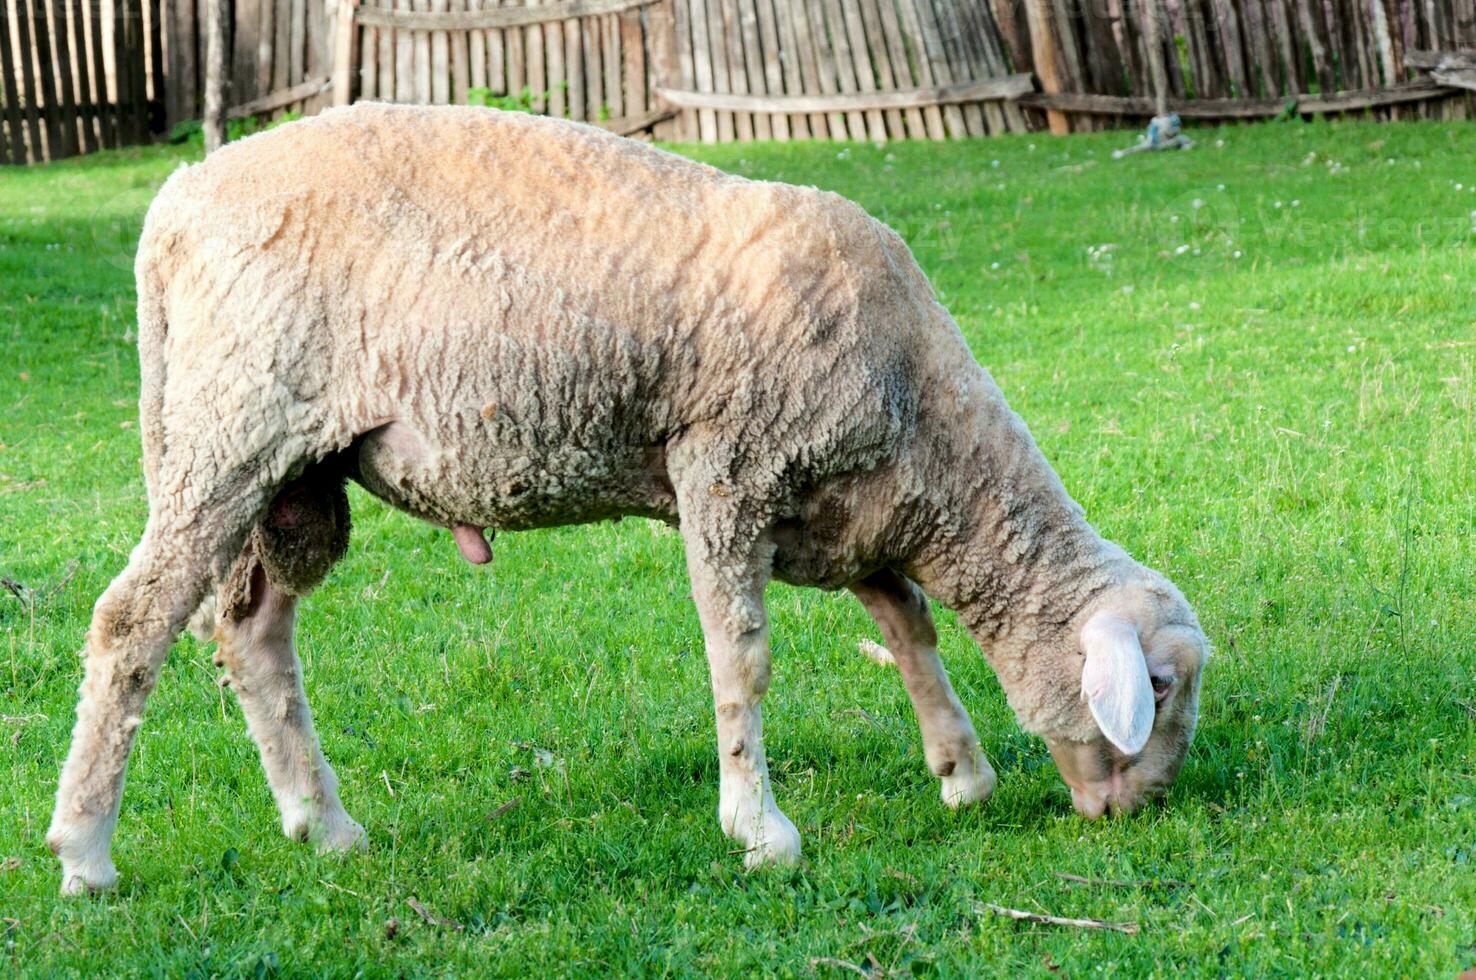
(1269, 394)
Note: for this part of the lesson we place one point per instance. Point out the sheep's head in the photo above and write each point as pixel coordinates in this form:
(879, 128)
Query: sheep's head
(1140, 652)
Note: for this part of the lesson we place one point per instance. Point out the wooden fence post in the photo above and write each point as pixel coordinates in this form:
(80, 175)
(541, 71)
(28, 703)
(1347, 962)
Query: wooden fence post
(661, 24)
(343, 53)
(1046, 55)
(216, 13)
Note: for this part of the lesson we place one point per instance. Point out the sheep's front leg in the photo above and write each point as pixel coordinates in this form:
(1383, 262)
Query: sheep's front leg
(262, 667)
(949, 743)
(729, 569)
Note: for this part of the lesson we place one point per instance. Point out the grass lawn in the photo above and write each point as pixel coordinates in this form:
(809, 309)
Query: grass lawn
(1254, 364)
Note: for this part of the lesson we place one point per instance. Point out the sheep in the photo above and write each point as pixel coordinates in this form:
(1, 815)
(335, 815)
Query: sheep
(497, 321)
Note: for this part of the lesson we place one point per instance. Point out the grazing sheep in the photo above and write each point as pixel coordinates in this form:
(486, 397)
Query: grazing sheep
(499, 321)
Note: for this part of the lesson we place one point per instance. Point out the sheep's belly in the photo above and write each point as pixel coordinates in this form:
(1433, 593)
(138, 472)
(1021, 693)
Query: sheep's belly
(513, 488)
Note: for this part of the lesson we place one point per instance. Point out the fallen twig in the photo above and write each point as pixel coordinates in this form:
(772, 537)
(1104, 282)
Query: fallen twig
(504, 808)
(431, 917)
(1130, 928)
(1115, 883)
(831, 961)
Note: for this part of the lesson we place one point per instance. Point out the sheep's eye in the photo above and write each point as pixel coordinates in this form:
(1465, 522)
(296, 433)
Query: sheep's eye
(1161, 685)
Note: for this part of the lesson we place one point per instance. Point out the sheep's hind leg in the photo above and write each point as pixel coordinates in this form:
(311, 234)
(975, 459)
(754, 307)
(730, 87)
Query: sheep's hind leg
(949, 743)
(133, 625)
(729, 563)
(262, 667)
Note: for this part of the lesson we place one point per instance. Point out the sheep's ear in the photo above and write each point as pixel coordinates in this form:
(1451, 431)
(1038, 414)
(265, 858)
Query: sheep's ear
(1114, 681)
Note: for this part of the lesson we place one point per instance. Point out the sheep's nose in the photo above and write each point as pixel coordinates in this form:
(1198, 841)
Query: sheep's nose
(1090, 802)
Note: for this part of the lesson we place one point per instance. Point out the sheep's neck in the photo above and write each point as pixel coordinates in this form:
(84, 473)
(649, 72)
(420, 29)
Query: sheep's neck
(1012, 554)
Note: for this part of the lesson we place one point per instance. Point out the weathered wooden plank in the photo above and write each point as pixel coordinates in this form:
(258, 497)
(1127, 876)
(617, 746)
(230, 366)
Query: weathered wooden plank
(460, 58)
(320, 42)
(179, 88)
(281, 99)
(107, 121)
(851, 48)
(802, 127)
(553, 63)
(730, 52)
(122, 90)
(266, 37)
(574, 72)
(404, 59)
(533, 54)
(1439, 60)
(422, 65)
(701, 66)
(14, 130)
(951, 32)
(770, 69)
(368, 64)
(476, 55)
(632, 60)
(384, 59)
(1347, 101)
(602, 67)
(440, 58)
(751, 53)
(1008, 87)
(138, 65)
(934, 60)
(297, 43)
(66, 94)
(44, 93)
(920, 125)
(665, 65)
(500, 17)
(1464, 78)
(344, 48)
(851, 125)
(281, 39)
(626, 125)
(496, 56)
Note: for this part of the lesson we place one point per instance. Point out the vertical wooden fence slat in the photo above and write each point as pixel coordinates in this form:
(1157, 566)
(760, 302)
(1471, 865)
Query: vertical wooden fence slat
(476, 53)
(440, 59)
(730, 51)
(770, 71)
(369, 63)
(945, 14)
(753, 65)
(632, 61)
(266, 43)
(107, 131)
(843, 126)
(517, 67)
(15, 134)
(179, 88)
(497, 79)
(931, 53)
(139, 67)
(717, 55)
(460, 59)
(45, 93)
(612, 98)
(558, 74)
(242, 71)
(574, 68)
(697, 68)
(854, 61)
(810, 126)
(66, 93)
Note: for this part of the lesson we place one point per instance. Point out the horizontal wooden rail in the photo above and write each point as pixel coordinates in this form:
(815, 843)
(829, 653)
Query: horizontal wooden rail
(1004, 87)
(1116, 105)
(1465, 78)
(1440, 59)
(477, 20)
(279, 99)
(625, 125)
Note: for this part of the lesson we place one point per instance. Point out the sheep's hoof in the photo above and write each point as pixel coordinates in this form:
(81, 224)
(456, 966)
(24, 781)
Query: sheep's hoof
(340, 836)
(777, 843)
(332, 833)
(972, 781)
(88, 877)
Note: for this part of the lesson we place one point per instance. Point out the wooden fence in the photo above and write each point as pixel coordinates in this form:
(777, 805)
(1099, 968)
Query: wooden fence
(1237, 58)
(83, 74)
(78, 75)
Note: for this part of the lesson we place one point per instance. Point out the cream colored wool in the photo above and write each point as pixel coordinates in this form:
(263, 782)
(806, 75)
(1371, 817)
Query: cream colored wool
(496, 320)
